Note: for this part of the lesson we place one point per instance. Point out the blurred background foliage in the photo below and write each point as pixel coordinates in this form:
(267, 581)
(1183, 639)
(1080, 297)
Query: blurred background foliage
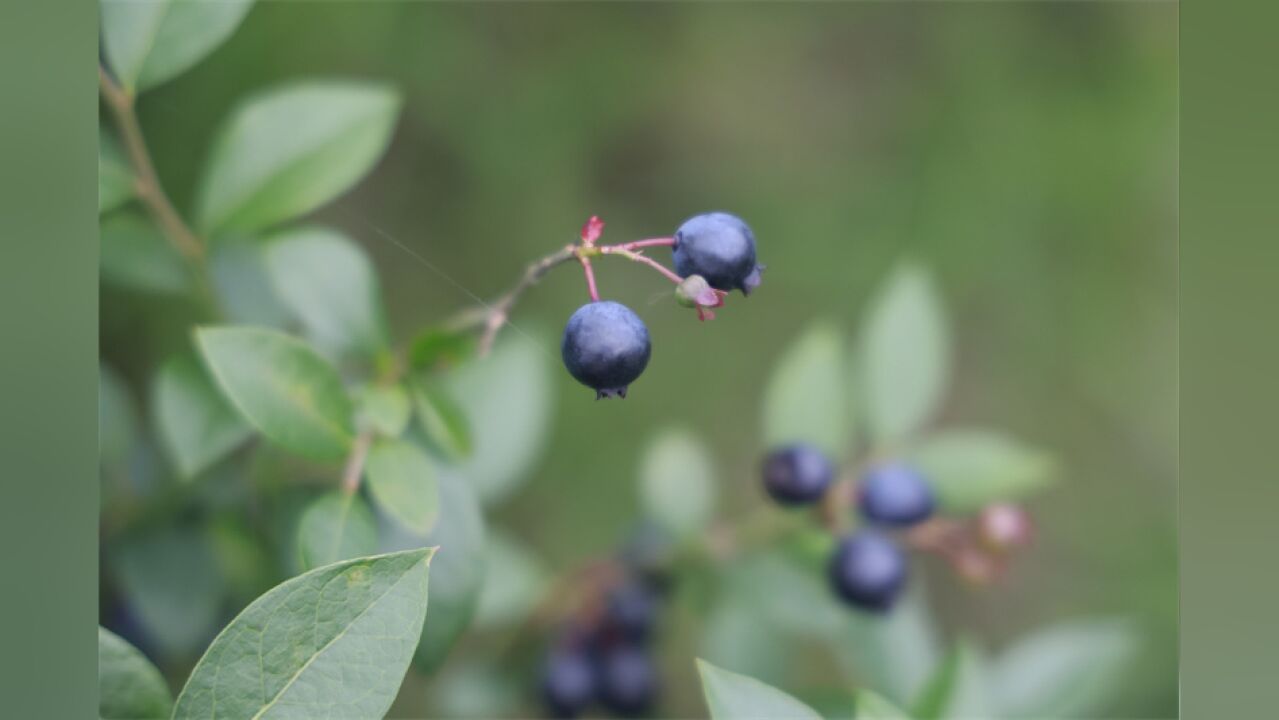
(1025, 152)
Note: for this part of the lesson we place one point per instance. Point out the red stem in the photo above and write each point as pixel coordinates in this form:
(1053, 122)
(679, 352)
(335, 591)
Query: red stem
(590, 278)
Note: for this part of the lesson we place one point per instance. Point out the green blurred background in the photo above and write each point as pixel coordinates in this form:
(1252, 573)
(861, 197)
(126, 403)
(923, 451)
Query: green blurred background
(1026, 152)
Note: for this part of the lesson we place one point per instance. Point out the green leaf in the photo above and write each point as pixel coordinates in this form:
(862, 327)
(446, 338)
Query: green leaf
(385, 408)
(150, 41)
(458, 568)
(334, 642)
(871, 706)
(958, 689)
(245, 292)
(285, 152)
(677, 483)
(169, 579)
(514, 582)
(336, 526)
(282, 387)
(115, 179)
(443, 421)
(135, 255)
(790, 597)
(402, 480)
(906, 354)
(506, 399)
(737, 636)
(117, 419)
(328, 282)
(194, 420)
(243, 559)
(894, 653)
(439, 349)
(1070, 670)
(808, 398)
(969, 469)
(129, 686)
(730, 696)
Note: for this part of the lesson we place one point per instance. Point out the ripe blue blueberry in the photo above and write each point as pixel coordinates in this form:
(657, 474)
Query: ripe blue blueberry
(868, 570)
(721, 248)
(895, 494)
(632, 611)
(798, 474)
(568, 683)
(628, 680)
(605, 346)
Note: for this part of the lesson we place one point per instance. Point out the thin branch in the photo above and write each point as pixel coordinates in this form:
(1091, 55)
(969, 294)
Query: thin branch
(497, 314)
(148, 187)
(355, 462)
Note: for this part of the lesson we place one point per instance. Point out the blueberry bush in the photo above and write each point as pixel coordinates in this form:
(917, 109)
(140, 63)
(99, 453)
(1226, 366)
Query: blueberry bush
(297, 511)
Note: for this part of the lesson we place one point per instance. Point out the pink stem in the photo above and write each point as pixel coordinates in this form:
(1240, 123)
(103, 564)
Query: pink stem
(636, 257)
(590, 279)
(650, 242)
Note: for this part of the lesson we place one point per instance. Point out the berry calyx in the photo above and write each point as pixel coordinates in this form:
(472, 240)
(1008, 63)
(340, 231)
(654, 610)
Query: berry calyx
(628, 681)
(798, 474)
(895, 494)
(568, 683)
(695, 292)
(868, 571)
(721, 248)
(605, 347)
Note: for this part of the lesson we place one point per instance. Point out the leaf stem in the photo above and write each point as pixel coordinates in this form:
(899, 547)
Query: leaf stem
(355, 462)
(590, 278)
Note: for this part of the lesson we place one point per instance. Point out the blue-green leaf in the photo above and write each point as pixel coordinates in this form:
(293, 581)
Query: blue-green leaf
(971, 468)
(514, 582)
(115, 178)
(336, 526)
(385, 408)
(150, 41)
(958, 689)
(402, 480)
(329, 283)
(1069, 670)
(677, 483)
(894, 653)
(285, 152)
(129, 686)
(193, 419)
(808, 397)
(282, 387)
(730, 696)
(135, 255)
(334, 642)
(869, 705)
(169, 579)
(906, 355)
(443, 423)
(243, 284)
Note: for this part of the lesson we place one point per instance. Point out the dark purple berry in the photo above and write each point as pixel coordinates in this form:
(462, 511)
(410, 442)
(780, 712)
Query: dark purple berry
(868, 571)
(568, 683)
(895, 494)
(721, 248)
(605, 347)
(632, 611)
(628, 681)
(797, 474)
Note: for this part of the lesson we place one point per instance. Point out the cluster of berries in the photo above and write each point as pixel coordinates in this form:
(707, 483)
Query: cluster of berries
(602, 654)
(868, 568)
(606, 345)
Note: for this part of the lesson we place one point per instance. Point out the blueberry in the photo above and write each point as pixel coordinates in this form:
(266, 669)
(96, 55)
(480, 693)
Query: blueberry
(605, 347)
(628, 680)
(894, 494)
(797, 475)
(632, 611)
(721, 248)
(868, 570)
(568, 683)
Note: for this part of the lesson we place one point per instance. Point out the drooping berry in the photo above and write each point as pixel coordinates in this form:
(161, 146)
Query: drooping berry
(605, 347)
(628, 680)
(632, 611)
(895, 494)
(569, 683)
(798, 474)
(868, 570)
(721, 248)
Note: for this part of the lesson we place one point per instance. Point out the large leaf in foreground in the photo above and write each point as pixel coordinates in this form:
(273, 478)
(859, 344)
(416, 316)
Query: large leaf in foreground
(282, 387)
(129, 686)
(334, 642)
(730, 696)
(287, 151)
